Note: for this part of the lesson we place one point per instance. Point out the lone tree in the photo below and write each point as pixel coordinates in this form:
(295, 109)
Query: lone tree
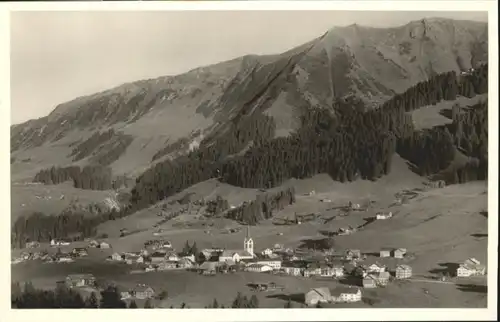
(148, 304)
(132, 305)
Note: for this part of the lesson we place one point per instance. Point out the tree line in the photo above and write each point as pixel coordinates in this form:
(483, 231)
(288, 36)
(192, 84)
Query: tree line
(92, 177)
(28, 297)
(263, 207)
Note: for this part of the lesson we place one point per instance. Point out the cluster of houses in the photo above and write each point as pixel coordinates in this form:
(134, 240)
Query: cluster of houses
(343, 294)
(140, 291)
(471, 267)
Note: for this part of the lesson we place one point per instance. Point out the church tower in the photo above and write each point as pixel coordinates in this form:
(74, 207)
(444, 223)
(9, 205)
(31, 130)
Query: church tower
(248, 242)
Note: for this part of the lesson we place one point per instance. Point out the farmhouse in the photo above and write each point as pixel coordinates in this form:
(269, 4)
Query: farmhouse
(171, 256)
(403, 271)
(143, 291)
(312, 270)
(385, 252)
(375, 268)
(64, 258)
(399, 253)
(318, 295)
(259, 268)
(77, 280)
(117, 257)
(104, 245)
(132, 258)
(346, 294)
(337, 270)
(471, 267)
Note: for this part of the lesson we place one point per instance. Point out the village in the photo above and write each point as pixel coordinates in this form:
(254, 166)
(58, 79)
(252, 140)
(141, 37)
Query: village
(354, 269)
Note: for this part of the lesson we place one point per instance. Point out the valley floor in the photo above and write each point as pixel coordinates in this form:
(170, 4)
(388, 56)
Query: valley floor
(439, 227)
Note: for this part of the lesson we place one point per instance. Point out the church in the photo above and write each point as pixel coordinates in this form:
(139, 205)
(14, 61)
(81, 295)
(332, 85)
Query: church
(238, 255)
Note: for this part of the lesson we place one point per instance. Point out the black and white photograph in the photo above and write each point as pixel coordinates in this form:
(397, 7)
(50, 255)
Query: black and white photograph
(255, 159)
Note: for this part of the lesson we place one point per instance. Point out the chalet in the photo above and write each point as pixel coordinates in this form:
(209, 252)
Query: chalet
(471, 267)
(375, 268)
(258, 268)
(318, 295)
(78, 280)
(104, 245)
(399, 253)
(267, 252)
(403, 271)
(80, 252)
(143, 291)
(383, 278)
(117, 257)
(337, 270)
(369, 281)
(352, 253)
(33, 244)
(346, 295)
(385, 252)
(383, 216)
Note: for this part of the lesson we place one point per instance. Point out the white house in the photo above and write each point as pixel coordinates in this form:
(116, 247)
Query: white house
(275, 264)
(471, 267)
(346, 295)
(259, 268)
(375, 268)
(383, 216)
(267, 252)
(55, 242)
(318, 295)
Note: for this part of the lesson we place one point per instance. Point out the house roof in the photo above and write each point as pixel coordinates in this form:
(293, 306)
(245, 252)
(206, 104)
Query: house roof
(322, 292)
(403, 266)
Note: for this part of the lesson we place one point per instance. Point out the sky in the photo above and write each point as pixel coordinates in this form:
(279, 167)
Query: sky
(58, 56)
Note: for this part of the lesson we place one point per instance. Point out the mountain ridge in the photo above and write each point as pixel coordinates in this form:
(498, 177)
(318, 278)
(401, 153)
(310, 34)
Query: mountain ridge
(370, 64)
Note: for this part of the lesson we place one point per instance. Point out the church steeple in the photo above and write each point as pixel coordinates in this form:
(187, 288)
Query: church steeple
(248, 242)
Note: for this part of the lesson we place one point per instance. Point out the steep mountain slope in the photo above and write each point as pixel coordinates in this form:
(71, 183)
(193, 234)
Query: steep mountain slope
(180, 112)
